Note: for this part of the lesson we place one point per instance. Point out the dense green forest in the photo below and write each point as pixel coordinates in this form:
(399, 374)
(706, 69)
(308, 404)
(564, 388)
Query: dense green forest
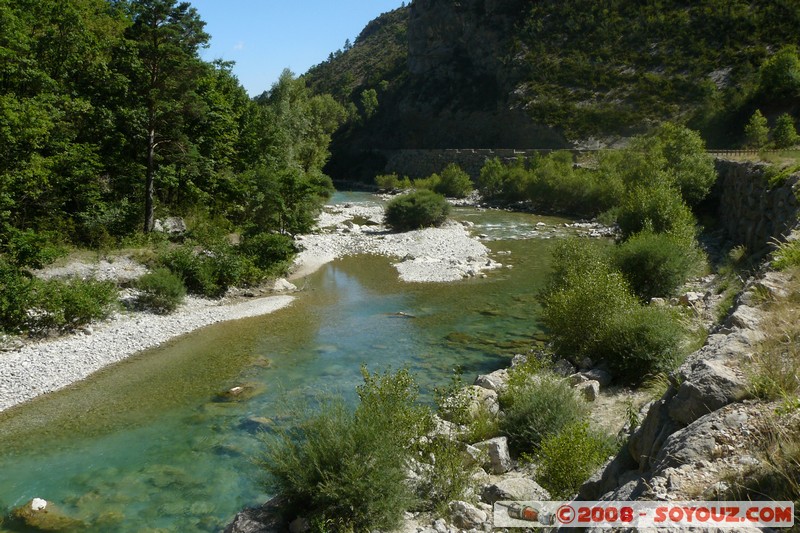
(109, 119)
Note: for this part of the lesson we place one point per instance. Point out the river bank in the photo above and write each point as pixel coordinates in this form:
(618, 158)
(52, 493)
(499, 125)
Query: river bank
(447, 253)
(38, 367)
(46, 366)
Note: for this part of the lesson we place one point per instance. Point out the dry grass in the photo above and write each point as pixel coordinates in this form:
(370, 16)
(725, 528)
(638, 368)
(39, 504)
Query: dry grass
(775, 377)
(777, 475)
(775, 370)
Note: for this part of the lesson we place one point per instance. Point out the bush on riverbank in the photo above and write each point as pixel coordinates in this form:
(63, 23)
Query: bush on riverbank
(453, 182)
(160, 291)
(656, 264)
(346, 470)
(28, 304)
(552, 183)
(568, 458)
(537, 408)
(270, 252)
(656, 207)
(392, 182)
(673, 155)
(590, 311)
(416, 210)
(640, 341)
(584, 296)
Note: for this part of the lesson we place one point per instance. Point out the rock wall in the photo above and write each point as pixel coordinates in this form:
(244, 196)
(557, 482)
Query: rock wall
(753, 213)
(704, 425)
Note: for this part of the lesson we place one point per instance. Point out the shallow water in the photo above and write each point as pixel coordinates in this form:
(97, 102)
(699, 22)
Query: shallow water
(151, 444)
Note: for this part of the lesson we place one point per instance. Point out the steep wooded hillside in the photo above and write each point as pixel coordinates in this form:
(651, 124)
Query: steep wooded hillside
(552, 73)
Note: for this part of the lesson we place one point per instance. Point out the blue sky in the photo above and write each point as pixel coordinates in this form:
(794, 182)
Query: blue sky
(265, 36)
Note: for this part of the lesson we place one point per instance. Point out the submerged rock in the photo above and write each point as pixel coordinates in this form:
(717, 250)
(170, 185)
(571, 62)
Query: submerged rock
(263, 519)
(41, 515)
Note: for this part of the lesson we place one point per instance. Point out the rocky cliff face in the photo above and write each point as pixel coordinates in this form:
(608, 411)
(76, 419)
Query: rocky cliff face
(456, 89)
(453, 40)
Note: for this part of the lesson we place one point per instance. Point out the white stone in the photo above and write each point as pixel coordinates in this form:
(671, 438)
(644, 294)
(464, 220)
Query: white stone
(38, 504)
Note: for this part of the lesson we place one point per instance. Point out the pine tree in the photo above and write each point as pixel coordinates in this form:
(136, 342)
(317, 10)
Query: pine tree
(167, 37)
(756, 132)
(785, 134)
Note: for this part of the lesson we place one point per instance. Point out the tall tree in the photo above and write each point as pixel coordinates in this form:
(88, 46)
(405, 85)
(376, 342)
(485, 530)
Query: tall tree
(167, 36)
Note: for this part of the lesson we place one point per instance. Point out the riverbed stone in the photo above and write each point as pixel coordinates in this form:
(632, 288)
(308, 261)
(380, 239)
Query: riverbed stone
(745, 317)
(281, 285)
(172, 226)
(599, 375)
(41, 515)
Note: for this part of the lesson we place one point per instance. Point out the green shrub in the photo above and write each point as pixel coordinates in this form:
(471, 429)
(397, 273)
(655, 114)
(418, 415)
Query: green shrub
(756, 131)
(454, 182)
(787, 255)
(161, 290)
(268, 250)
(639, 342)
(785, 134)
(568, 458)
(657, 207)
(552, 183)
(448, 478)
(15, 296)
(210, 272)
(65, 305)
(656, 264)
(688, 165)
(584, 295)
(428, 184)
(196, 272)
(347, 469)
(537, 409)
(83, 301)
(416, 210)
(392, 182)
(29, 249)
(491, 180)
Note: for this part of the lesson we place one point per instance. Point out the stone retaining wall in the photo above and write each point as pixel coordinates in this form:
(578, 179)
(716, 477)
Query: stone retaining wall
(753, 213)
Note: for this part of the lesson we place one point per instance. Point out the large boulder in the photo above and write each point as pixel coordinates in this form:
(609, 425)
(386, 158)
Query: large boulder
(496, 381)
(282, 285)
(709, 385)
(518, 489)
(499, 460)
(172, 226)
(467, 516)
(699, 441)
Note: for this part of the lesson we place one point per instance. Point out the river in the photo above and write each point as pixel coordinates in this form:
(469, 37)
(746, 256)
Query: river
(152, 444)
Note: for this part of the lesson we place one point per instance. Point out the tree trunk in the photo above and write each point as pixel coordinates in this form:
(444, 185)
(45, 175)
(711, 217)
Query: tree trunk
(149, 220)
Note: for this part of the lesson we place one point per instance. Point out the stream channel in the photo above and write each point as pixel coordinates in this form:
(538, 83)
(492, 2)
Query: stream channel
(149, 444)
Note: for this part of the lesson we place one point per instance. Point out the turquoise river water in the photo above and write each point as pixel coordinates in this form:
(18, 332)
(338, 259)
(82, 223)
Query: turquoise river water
(150, 445)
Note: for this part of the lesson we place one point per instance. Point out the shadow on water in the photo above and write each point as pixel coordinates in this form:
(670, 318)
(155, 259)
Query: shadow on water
(154, 442)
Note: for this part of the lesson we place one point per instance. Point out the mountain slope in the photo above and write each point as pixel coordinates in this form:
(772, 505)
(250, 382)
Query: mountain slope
(552, 73)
